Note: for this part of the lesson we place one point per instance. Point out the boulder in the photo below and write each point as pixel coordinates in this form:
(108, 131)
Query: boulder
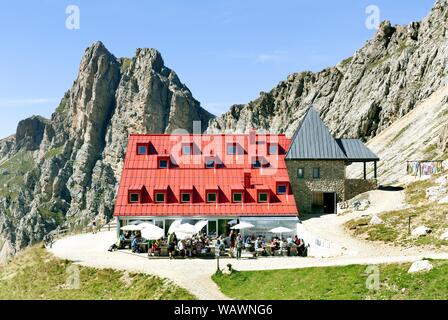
(420, 266)
(421, 231)
(436, 193)
(376, 220)
(444, 236)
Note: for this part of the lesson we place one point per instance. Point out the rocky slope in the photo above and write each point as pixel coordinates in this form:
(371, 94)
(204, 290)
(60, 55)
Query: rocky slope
(65, 170)
(362, 95)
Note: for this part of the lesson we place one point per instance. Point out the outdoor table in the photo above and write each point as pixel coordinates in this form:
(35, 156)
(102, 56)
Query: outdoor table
(163, 251)
(143, 246)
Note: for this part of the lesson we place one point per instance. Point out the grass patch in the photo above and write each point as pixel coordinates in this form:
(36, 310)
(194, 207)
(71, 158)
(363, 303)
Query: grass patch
(396, 226)
(415, 192)
(12, 173)
(345, 62)
(36, 274)
(125, 64)
(378, 62)
(54, 152)
(330, 283)
(398, 135)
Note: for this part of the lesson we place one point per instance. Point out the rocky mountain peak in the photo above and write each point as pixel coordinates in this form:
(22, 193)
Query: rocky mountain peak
(30, 132)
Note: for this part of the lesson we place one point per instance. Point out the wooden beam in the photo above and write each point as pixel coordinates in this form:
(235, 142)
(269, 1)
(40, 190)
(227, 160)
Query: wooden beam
(365, 171)
(374, 170)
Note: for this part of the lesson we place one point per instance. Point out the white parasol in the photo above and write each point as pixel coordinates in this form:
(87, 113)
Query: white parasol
(242, 225)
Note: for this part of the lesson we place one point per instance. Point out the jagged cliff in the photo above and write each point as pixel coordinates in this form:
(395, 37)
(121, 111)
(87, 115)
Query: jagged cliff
(65, 170)
(362, 95)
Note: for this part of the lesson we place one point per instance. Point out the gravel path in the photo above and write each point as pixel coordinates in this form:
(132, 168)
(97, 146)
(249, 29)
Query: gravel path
(195, 274)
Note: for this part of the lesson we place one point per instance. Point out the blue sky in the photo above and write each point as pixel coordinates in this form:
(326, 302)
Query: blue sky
(225, 51)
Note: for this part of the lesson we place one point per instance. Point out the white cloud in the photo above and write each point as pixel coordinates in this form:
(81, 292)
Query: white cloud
(26, 101)
(276, 56)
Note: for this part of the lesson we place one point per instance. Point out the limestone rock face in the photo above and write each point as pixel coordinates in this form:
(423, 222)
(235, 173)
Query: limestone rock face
(30, 132)
(362, 95)
(71, 164)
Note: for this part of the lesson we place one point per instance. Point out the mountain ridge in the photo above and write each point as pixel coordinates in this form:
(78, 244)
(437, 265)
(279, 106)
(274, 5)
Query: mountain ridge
(65, 170)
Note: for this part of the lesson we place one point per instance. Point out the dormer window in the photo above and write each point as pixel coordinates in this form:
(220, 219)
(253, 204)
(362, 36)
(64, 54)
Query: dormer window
(231, 149)
(237, 197)
(185, 197)
(256, 163)
(209, 162)
(211, 197)
(263, 197)
(134, 197)
(160, 197)
(142, 149)
(163, 163)
(187, 149)
(281, 189)
(273, 149)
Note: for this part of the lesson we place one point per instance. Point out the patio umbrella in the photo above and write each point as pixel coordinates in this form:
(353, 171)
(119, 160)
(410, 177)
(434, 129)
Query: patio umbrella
(234, 221)
(185, 228)
(199, 225)
(242, 225)
(152, 232)
(174, 225)
(136, 222)
(280, 230)
(131, 227)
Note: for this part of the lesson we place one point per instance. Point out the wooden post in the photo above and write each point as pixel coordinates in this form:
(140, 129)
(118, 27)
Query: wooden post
(365, 171)
(374, 170)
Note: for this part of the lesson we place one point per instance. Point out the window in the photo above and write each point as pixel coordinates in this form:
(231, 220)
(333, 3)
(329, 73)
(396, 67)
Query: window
(211, 197)
(159, 223)
(281, 189)
(185, 197)
(237, 197)
(209, 163)
(134, 197)
(186, 149)
(263, 197)
(160, 197)
(301, 173)
(273, 148)
(231, 148)
(256, 163)
(163, 164)
(142, 150)
(316, 173)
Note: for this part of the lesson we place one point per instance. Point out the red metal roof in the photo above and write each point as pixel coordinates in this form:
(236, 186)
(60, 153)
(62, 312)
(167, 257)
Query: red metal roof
(189, 171)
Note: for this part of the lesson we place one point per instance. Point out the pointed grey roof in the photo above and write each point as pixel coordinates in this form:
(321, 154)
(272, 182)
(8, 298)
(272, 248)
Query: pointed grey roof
(313, 141)
(355, 150)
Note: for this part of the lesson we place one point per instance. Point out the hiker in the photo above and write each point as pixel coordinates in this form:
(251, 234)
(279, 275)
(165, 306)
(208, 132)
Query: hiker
(171, 245)
(94, 226)
(232, 237)
(239, 246)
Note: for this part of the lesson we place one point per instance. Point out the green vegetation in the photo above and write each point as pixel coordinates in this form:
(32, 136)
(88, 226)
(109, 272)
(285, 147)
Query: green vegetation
(396, 228)
(415, 192)
(398, 135)
(378, 62)
(346, 282)
(125, 64)
(12, 173)
(54, 152)
(347, 61)
(36, 274)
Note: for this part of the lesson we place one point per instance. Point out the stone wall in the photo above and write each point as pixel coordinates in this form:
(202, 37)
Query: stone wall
(353, 187)
(332, 177)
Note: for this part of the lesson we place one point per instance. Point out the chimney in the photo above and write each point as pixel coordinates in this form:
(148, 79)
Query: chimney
(247, 177)
(252, 136)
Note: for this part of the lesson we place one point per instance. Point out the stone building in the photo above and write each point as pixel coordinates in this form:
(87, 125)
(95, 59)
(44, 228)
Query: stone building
(317, 162)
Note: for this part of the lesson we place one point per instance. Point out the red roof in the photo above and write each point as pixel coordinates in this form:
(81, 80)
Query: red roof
(188, 172)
